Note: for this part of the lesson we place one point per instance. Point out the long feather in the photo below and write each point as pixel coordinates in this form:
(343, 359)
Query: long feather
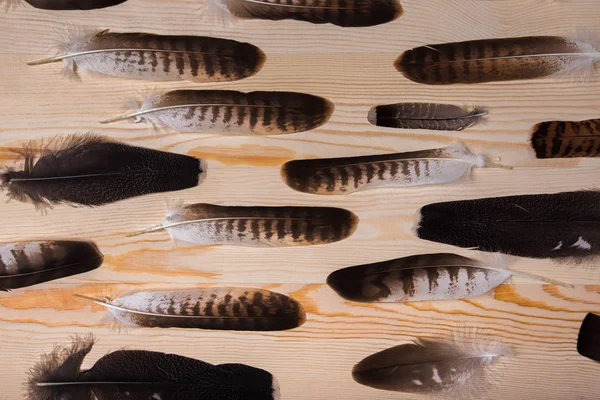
(143, 375)
(227, 111)
(497, 60)
(208, 224)
(433, 116)
(25, 264)
(454, 368)
(588, 341)
(561, 225)
(424, 277)
(564, 139)
(346, 175)
(154, 57)
(347, 13)
(91, 170)
(65, 4)
(238, 309)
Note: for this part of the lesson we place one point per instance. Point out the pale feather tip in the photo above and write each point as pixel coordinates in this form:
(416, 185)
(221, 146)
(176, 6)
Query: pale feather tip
(372, 116)
(276, 389)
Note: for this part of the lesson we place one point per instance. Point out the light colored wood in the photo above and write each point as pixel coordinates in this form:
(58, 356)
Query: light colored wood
(353, 68)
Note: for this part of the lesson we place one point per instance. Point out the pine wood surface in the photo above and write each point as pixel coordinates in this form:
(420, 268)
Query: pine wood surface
(353, 68)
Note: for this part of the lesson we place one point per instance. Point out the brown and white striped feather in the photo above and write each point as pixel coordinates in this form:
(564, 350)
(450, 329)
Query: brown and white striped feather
(208, 224)
(232, 112)
(352, 174)
(155, 57)
(226, 308)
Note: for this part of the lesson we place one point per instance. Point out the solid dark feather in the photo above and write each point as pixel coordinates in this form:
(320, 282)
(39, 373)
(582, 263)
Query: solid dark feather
(91, 170)
(588, 341)
(71, 4)
(560, 225)
(144, 375)
(565, 139)
(491, 60)
(433, 116)
(25, 264)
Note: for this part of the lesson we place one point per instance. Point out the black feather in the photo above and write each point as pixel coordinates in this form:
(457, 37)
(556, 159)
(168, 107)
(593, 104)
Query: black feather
(560, 225)
(91, 170)
(73, 4)
(144, 375)
(588, 342)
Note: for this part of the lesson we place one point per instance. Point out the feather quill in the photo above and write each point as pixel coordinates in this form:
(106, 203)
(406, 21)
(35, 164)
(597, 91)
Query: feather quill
(424, 277)
(330, 176)
(227, 111)
(588, 341)
(143, 375)
(565, 139)
(504, 59)
(561, 225)
(24, 264)
(454, 368)
(92, 170)
(348, 13)
(439, 117)
(65, 4)
(237, 309)
(208, 224)
(154, 57)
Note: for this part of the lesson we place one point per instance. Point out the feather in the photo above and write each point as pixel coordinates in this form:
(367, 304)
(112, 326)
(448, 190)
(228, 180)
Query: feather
(208, 224)
(561, 225)
(91, 170)
(497, 60)
(66, 4)
(439, 117)
(25, 264)
(155, 57)
(588, 341)
(347, 13)
(424, 277)
(454, 368)
(564, 139)
(227, 111)
(143, 375)
(237, 309)
(346, 175)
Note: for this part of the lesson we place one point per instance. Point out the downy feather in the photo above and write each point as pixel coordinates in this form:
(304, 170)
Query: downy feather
(424, 277)
(208, 224)
(504, 59)
(588, 341)
(143, 375)
(25, 264)
(349, 13)
(433, 116)
(92, 170)
(330, 176)
(455, 368)
(155, 57)
(231, 112)
(561, 225)
(238, 309)
(65, 4)
(565, 139)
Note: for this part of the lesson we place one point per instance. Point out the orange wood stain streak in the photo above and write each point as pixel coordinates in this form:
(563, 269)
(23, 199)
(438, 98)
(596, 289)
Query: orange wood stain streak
(305, 297)
(49, 324)
(248, 154)
(508, 294)
(592, 288)
(555, 292)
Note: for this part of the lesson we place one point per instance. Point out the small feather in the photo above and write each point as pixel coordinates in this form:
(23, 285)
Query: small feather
(230, 112)
(441, 117)
(588, 341)
(91, 170)
(154, 57)
(208, 224)
(565, 139)
(236, 309)
(25, 264)
(349, 13)
(504, 59)
(65, 4)
(346, 175)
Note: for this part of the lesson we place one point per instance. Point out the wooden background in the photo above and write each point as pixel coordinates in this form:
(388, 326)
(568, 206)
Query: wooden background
(353, 68)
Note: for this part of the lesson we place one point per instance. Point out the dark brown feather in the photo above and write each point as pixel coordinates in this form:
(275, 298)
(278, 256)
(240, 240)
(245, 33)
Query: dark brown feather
(566, 139)
(73, 4)
(588, 341)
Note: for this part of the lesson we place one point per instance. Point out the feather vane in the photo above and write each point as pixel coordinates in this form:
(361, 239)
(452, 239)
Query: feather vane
(566, 139)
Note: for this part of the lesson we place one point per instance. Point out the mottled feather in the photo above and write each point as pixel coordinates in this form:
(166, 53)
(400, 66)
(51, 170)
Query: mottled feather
(566, 139)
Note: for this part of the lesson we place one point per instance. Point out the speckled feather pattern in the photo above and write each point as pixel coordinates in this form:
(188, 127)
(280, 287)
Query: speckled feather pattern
(566, 139)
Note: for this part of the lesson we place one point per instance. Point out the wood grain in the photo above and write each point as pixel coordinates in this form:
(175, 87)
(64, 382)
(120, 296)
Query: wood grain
(353, 68)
